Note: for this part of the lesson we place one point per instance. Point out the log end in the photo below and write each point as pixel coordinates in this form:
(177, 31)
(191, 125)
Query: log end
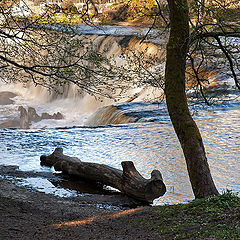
(51, 159)
(55, 157)
(44, 162)
(154, 189)
(135, 185)
(58, 166)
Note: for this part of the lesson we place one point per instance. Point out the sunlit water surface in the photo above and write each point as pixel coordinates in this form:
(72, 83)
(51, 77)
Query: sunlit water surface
(149, 145)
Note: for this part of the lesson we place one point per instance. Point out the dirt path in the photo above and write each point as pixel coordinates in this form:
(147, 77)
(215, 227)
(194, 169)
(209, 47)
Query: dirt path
(26, 214)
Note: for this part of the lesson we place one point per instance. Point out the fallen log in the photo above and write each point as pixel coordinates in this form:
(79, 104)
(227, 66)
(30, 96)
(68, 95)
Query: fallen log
(129, 181)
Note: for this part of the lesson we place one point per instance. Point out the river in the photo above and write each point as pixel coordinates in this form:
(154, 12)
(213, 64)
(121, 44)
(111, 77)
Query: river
(150, 145)
(147, 139)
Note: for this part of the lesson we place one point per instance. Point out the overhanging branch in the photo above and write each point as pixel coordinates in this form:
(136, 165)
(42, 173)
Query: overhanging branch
(226, 53)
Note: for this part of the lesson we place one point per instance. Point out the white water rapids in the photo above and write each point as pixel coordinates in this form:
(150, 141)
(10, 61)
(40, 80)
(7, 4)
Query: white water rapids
(149, 141)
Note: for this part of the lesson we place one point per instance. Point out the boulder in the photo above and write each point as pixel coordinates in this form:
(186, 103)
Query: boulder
(5, 98)
(24, 121)
(15, 123)
(27, 117)
(56, 116)
(32, 115)
(46, 116)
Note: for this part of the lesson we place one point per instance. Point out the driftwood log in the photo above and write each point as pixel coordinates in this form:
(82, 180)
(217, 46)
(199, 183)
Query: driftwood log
(129, 181)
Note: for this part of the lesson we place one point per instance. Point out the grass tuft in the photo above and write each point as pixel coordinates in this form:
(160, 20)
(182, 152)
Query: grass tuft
(216, 217)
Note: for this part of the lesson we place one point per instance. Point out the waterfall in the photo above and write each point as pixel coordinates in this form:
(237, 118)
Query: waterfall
(108, 115)
(75, 105)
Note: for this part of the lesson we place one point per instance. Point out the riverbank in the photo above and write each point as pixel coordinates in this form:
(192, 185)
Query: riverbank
(27, 214)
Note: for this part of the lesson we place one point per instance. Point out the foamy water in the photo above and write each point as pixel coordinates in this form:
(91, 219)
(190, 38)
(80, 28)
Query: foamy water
(149, 145)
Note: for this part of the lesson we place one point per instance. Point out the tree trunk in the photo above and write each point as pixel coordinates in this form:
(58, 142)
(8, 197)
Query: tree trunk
(128, 181)
(185, 127)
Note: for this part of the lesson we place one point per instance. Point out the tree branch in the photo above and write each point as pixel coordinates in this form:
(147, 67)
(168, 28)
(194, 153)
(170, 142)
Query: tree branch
(224, 50)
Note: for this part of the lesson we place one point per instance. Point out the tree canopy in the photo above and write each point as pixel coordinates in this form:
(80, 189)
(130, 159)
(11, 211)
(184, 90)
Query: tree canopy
(204, 35)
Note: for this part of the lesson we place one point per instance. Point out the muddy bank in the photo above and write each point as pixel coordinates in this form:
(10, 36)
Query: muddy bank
(26, 214)
(86, 193)
(29, 215)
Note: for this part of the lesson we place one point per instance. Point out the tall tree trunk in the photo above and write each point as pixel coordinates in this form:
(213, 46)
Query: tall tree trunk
(184, 125)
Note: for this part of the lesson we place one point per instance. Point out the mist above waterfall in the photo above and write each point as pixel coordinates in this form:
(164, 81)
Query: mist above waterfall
(138, 77)
(149, 142)
(75, 104)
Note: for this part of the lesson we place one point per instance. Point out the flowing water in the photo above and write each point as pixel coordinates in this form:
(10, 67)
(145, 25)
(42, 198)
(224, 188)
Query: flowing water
(150, 145)
(145, 136)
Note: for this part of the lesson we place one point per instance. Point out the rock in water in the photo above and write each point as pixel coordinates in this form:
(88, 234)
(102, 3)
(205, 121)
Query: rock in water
(15, 123)
(56, 116)
(5, 98)
(32, 115)
(24, 122)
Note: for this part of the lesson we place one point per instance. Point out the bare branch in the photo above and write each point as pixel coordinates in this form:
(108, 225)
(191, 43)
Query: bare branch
(228, 56)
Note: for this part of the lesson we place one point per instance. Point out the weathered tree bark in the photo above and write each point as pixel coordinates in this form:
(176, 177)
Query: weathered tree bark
(185, 127)
(128, 181)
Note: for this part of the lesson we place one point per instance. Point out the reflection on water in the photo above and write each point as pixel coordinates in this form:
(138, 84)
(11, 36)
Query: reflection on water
(43, 185)
(149, 145)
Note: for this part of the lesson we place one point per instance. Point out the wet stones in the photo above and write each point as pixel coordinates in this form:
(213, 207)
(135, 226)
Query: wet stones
(27, 117)
(56, 116)
(32, 115)
(10, 124)
(24, 120)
